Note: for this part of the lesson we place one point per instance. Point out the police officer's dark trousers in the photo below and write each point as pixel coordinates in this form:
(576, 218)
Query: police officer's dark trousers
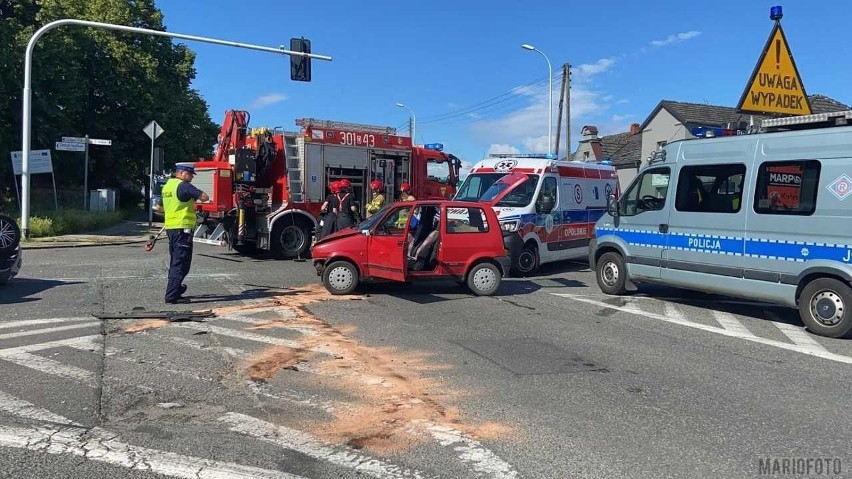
(180, 250)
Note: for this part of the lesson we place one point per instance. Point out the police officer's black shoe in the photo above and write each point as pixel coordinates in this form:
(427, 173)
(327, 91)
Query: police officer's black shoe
(178, 301)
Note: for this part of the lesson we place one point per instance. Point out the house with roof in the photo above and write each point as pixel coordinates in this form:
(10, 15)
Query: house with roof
(670, 121)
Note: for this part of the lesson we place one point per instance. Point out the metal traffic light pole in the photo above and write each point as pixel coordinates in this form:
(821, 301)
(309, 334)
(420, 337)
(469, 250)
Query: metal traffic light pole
(26, 121)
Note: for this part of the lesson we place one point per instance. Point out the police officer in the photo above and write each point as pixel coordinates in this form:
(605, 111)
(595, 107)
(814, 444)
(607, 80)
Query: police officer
(179, 197)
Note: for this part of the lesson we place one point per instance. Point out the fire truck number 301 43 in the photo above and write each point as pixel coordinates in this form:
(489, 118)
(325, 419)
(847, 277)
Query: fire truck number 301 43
(354, 139)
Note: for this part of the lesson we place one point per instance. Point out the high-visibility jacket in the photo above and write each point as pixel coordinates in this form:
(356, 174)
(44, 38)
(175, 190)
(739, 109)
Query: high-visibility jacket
(179, 214)
(375, 204)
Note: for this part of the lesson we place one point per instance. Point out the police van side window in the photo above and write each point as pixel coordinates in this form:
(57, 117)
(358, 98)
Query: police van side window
(647, 193)
(787, 187)
(710, 188)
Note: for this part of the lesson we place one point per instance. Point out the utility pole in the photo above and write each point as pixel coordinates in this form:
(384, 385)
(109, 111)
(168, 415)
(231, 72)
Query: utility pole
(411, 130)
(567, 76)
(559, 115)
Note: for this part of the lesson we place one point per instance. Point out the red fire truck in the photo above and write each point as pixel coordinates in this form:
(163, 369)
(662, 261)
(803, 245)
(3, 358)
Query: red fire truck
(267, 185)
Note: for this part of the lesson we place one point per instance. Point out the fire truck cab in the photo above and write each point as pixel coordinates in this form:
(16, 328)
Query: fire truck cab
(267, 186)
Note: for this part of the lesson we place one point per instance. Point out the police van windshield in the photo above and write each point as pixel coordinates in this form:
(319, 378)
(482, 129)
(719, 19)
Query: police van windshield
(521, 195)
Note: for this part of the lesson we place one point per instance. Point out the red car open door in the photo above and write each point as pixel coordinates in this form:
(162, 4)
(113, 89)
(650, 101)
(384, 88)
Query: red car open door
(386, 257)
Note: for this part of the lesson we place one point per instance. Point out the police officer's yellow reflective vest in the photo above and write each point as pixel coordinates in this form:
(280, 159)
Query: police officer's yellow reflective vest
(375, 204)
(179, 214)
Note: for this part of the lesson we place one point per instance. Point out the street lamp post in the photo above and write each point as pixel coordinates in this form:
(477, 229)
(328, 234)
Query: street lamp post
(413, 122)
(26, 120)
(527, 46)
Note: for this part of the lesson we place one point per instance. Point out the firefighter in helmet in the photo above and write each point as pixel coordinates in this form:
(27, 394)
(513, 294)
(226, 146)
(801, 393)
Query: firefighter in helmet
(406, 195)
(328, 211)
(378, 198)
(346, 208)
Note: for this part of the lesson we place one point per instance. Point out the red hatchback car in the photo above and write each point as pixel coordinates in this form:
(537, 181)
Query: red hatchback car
(408, 241)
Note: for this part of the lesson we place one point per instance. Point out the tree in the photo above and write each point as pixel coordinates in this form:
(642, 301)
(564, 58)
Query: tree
(103, 83)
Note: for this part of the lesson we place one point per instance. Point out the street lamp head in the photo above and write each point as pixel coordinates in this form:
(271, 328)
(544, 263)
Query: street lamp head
(527, 46)
(400, 105)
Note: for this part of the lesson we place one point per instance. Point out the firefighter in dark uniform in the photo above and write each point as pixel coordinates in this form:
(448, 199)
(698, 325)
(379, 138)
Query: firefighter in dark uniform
(347, 212)
(179, 197)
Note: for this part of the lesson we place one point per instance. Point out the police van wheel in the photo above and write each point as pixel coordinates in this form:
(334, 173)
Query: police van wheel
(528, 262)
(611, 273)
(824, 307)
(340, 277)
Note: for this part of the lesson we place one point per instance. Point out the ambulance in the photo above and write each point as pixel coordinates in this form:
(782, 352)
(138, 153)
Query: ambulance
(547, 208)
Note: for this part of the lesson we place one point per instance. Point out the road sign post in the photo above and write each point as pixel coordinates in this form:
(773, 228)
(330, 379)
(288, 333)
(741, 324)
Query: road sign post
(73, 143)
(153, 130)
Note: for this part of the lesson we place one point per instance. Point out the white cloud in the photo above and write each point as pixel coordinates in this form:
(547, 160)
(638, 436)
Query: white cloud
(587, 70)
(497, 148)
(680, 37)
(267, 100)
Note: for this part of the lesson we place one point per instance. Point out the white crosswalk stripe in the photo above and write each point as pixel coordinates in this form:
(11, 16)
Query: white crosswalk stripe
(802, 342)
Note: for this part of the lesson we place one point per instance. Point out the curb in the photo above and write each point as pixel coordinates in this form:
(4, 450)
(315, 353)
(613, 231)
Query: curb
(78, 244)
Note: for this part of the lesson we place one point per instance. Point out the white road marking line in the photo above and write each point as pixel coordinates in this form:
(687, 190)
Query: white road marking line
(198, 346)
(98, 445)
(33, 322)
(259, 338)
(797, 335)
(34, 332)
(82, 341)
(20, 408)
(749, 337)
(297, 398)
(472, 452)
(49, 366)
(304, 443)
(673, 312)
(731, 323)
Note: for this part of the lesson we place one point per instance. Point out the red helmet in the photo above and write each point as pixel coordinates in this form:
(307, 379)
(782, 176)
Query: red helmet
(376, 185)
(344, 183)
(405, 187)
(334, 186)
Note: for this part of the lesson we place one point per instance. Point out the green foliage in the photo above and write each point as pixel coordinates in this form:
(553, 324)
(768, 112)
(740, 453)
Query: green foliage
(99, 82)
(63, 222)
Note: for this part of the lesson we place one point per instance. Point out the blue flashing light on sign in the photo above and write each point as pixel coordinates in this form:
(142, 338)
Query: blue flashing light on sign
(775, 13)
(434, 146)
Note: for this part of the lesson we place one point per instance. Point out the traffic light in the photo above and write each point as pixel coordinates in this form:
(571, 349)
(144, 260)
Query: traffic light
(300, 67)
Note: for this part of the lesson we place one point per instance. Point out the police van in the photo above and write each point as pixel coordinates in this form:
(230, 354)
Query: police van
(546, 207)
(764, 216)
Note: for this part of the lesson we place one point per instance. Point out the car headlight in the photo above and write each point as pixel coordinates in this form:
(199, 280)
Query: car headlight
(510, 226)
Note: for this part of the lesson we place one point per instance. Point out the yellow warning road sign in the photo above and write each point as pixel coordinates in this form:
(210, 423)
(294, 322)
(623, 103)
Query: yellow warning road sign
(775, 85)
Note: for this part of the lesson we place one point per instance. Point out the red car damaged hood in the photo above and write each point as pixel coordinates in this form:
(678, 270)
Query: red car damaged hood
(344, 233)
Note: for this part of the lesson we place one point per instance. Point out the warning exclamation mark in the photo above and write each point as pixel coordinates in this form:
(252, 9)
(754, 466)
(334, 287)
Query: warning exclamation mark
(777, 54)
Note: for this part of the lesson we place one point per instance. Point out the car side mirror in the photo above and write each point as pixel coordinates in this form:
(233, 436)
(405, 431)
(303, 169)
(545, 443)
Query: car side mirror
(612, 207)
(365, 232)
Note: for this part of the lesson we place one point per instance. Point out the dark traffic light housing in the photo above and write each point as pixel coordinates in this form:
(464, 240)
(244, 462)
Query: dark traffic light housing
(300, 67)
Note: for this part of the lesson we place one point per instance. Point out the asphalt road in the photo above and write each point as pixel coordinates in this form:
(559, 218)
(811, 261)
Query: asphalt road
(550, 378)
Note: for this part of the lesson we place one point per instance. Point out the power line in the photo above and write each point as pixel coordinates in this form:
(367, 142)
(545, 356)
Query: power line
(502, 106)
(506, 96)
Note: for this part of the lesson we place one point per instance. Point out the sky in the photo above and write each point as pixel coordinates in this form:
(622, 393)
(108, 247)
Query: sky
(459, 65)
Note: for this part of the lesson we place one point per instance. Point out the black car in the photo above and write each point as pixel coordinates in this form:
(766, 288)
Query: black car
(10, 249)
